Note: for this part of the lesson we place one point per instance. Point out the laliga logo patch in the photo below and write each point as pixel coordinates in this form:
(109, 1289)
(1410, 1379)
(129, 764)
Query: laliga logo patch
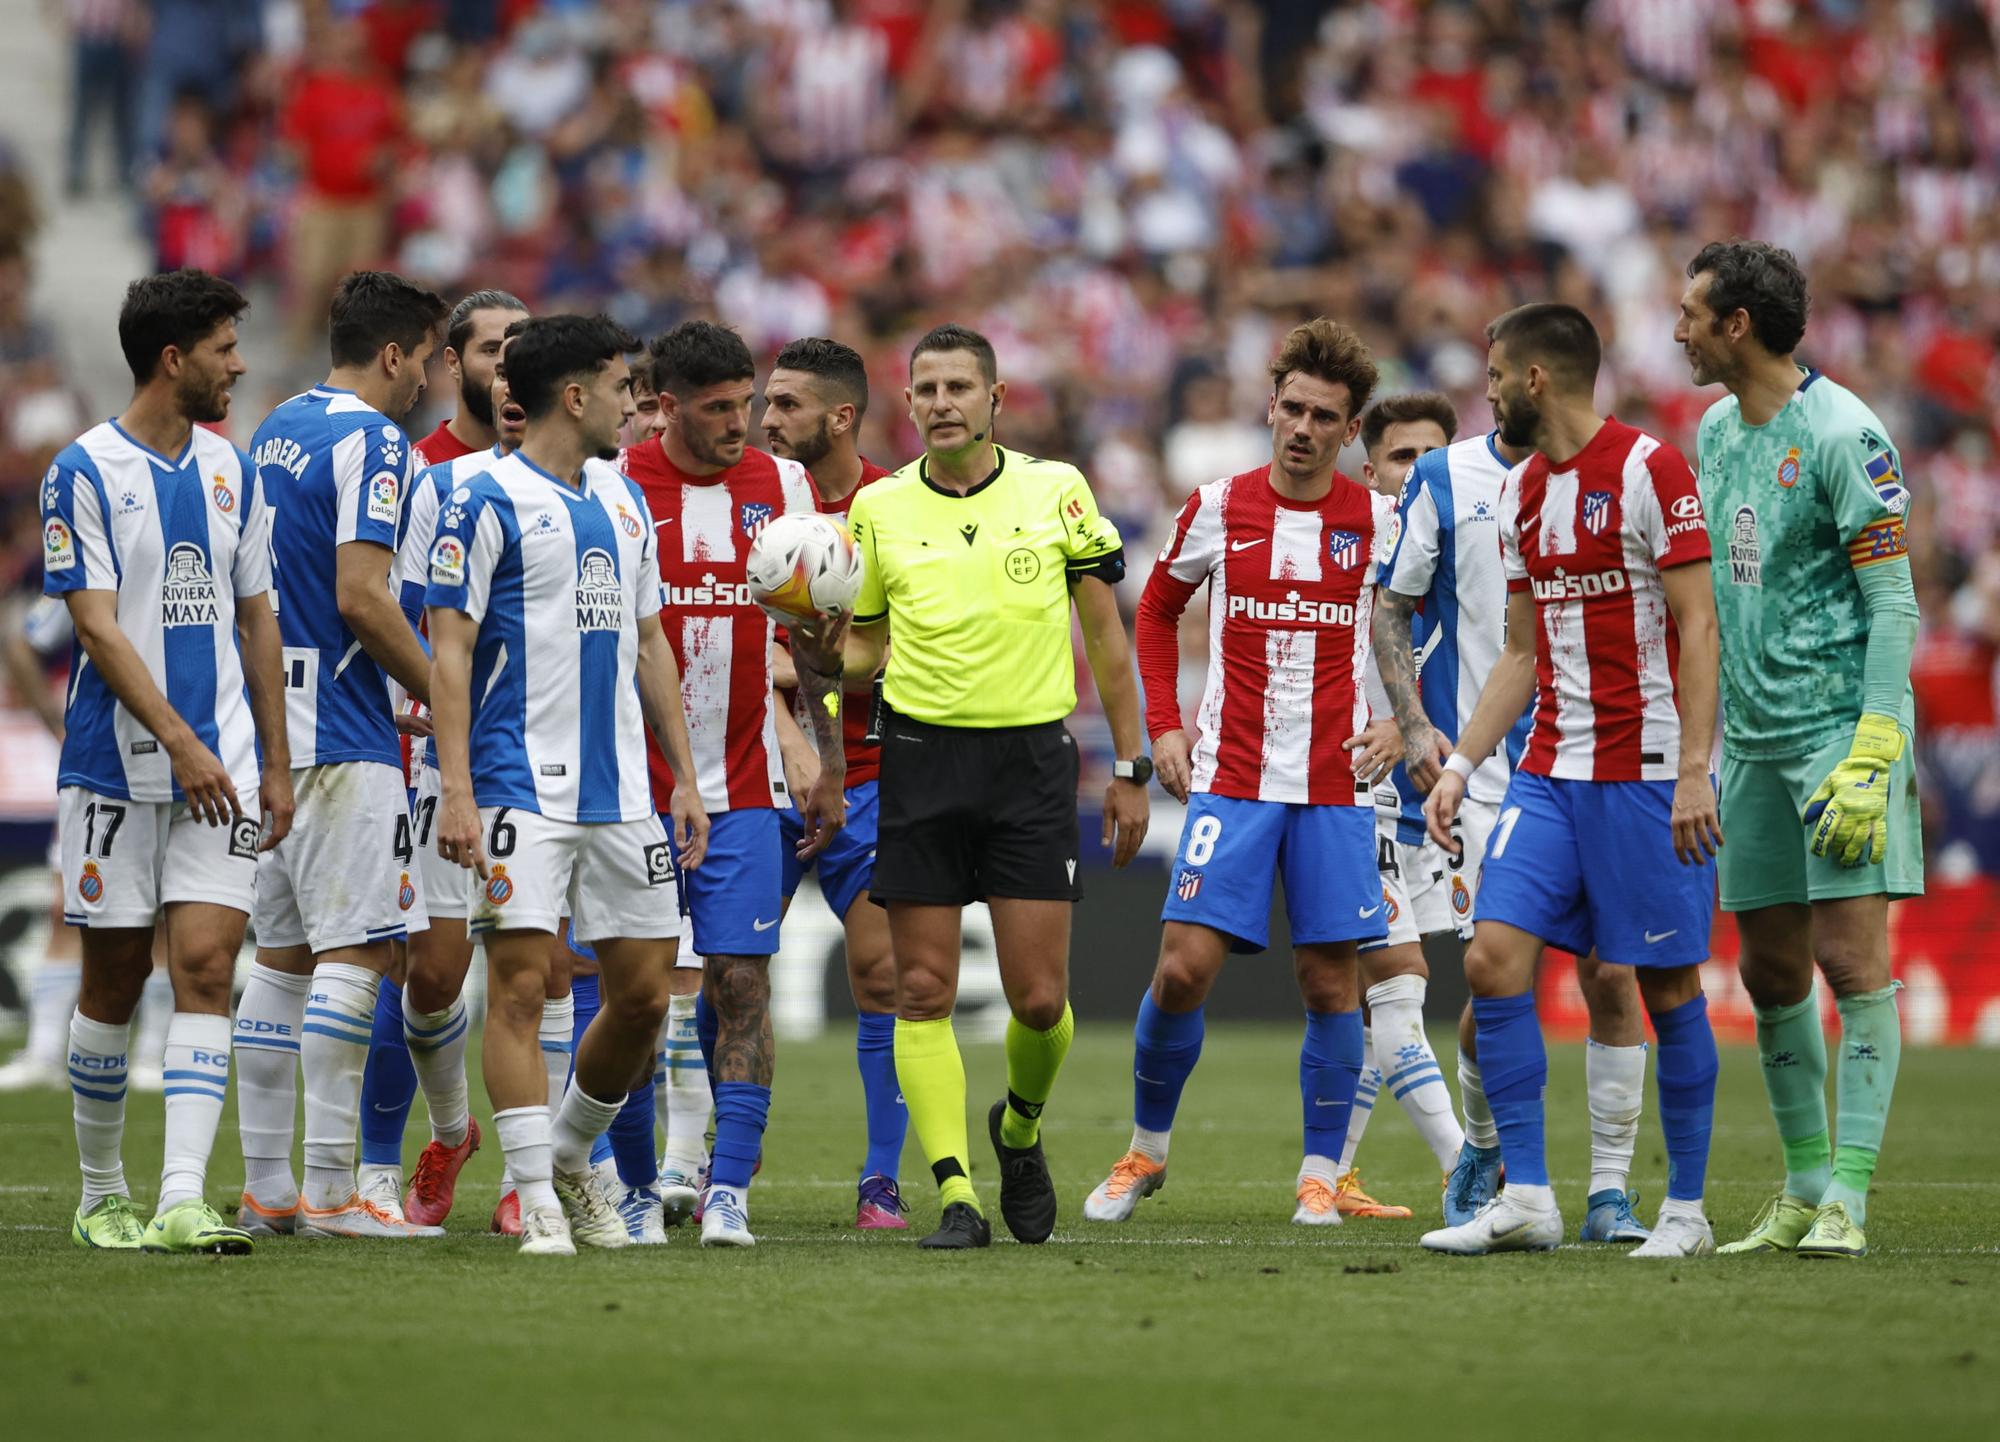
(58, 546)
(754, 516)
(1344, 547)
(1596, 511)
(629, 523)
(447, 562)
(1788, 469)
(382, 498)
(499, 886)
(406, 894)
(225, 499)
(90, 885)
(1074, 510)
(1461, 898)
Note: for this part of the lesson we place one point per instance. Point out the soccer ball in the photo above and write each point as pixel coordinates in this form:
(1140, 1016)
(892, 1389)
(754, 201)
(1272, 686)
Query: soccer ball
(804, 566)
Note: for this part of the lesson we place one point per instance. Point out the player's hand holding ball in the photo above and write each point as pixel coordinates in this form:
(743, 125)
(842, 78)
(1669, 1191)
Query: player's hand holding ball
(804, 569)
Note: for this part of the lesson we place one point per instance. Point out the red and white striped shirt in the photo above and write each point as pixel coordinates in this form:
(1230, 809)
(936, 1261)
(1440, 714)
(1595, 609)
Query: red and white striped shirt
(1291, 594)
(1591, 538)
(721, 639)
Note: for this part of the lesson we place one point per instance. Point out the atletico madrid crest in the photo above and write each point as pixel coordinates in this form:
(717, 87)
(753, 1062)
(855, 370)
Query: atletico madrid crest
(1187, 886)
(1596, 511)
(1344, 547)
(753, 516)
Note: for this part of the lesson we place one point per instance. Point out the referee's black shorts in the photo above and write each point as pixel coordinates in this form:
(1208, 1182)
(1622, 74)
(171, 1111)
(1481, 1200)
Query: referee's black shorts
(970, 813)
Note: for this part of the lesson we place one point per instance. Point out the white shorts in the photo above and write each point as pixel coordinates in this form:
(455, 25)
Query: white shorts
(446, 885)
(1424, 887)
(615, 878)
(122, 861)
(345, 874)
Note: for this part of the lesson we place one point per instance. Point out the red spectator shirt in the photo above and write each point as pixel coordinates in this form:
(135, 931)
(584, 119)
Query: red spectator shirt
(721, 639)
(1290, 600)
(343, 125)
(1591, 537)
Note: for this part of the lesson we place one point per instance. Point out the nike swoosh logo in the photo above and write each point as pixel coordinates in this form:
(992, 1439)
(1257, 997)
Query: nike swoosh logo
(1318, 1103)
(1652, 940)
(762, 925)
(1364, 915)
(662, 525)
(388, 1110)
(1141, 1076)
(1245, 545)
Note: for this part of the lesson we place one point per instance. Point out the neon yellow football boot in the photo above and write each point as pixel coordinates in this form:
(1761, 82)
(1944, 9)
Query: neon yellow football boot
(109, 1226)
(1778, 1228)
(193, 1227)
(1834, 1234)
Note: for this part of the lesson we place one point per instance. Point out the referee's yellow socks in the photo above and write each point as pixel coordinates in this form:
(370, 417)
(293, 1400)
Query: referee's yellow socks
(1033, 1059)
(932, 1075)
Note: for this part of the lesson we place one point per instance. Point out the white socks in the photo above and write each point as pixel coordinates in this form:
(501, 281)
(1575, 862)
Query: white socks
(340, 1013)
(1322, 1167)
(682, 1101)
(197, 1079)
(51, 999)
(1479, 1128)
(1534, 1199)
(1151, 1145)
(156, 1014)
(268, 1024)
(579, 1122)
(1403, 1060)
(1364, 1101)
(1615, 1077)
(97, 1076)
(524, 1140)
(557, 1034)
(437, 1051)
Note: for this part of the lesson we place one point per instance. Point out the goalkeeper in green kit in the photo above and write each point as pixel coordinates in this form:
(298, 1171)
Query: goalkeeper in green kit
(1804, 496)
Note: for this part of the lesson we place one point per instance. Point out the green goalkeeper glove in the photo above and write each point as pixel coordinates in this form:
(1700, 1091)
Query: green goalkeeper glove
(1849, 813)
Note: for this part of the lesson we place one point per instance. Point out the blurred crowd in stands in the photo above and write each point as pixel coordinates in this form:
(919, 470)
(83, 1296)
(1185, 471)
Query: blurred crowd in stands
(1132, 199)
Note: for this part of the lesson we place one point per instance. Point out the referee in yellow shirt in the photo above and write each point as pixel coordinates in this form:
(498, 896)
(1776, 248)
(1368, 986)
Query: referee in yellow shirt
(974, 554)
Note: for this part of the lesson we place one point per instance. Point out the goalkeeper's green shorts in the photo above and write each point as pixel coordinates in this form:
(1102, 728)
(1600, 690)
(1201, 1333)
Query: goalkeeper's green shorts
(1767, 850)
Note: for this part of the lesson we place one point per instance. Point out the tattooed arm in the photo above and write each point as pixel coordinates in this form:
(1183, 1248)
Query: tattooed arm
(1397, 662)
(823, 809)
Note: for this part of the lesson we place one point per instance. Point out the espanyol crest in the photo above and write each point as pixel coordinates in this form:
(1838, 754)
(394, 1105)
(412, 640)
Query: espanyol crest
(1596, 511)
(755, 515)
(1344, 547)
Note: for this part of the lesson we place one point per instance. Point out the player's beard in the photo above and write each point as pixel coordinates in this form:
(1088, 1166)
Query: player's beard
(205, 402)
(812, 450)
(478, 400)
(1518, 422)
(708, 452)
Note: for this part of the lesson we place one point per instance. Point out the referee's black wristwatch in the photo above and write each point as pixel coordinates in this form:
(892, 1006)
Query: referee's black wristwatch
(1139, 769)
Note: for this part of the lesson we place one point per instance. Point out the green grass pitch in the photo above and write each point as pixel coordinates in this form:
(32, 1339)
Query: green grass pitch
(1207, 1316)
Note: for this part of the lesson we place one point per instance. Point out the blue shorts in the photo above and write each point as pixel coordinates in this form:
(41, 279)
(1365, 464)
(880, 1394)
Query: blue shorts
(1585, 864)
(735, 897)
(847, 864)
(1233, 851)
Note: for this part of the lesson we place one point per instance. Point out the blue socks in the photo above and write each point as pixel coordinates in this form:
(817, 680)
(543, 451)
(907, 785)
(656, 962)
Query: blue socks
(888, 1118)
(741, 1109)
(584, 996)
(388, 1083)
(1329, 1075)
(1165, 1047)
(1515, 1068)
(631, 1138)
(1685, 1075)
(706, 1025)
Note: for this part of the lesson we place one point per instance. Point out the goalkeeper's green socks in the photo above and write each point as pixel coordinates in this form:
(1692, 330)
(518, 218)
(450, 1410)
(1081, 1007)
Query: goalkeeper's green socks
(1033, 1059)
(1871, 1046)
(931, 1073)
(1792, 1048)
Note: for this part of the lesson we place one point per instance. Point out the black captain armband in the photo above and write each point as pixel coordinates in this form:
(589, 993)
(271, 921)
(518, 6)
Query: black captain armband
(1108, 568)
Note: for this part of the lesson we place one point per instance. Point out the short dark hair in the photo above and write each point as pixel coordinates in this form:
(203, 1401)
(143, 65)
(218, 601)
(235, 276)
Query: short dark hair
(181, 309)
(1558, 337)
(551, 350)
(1332, 352)
(951, 336)
(1762, 280)
(458, 328)
(376, 308)
(1405, 408)
(697, 354)
(837, 367)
